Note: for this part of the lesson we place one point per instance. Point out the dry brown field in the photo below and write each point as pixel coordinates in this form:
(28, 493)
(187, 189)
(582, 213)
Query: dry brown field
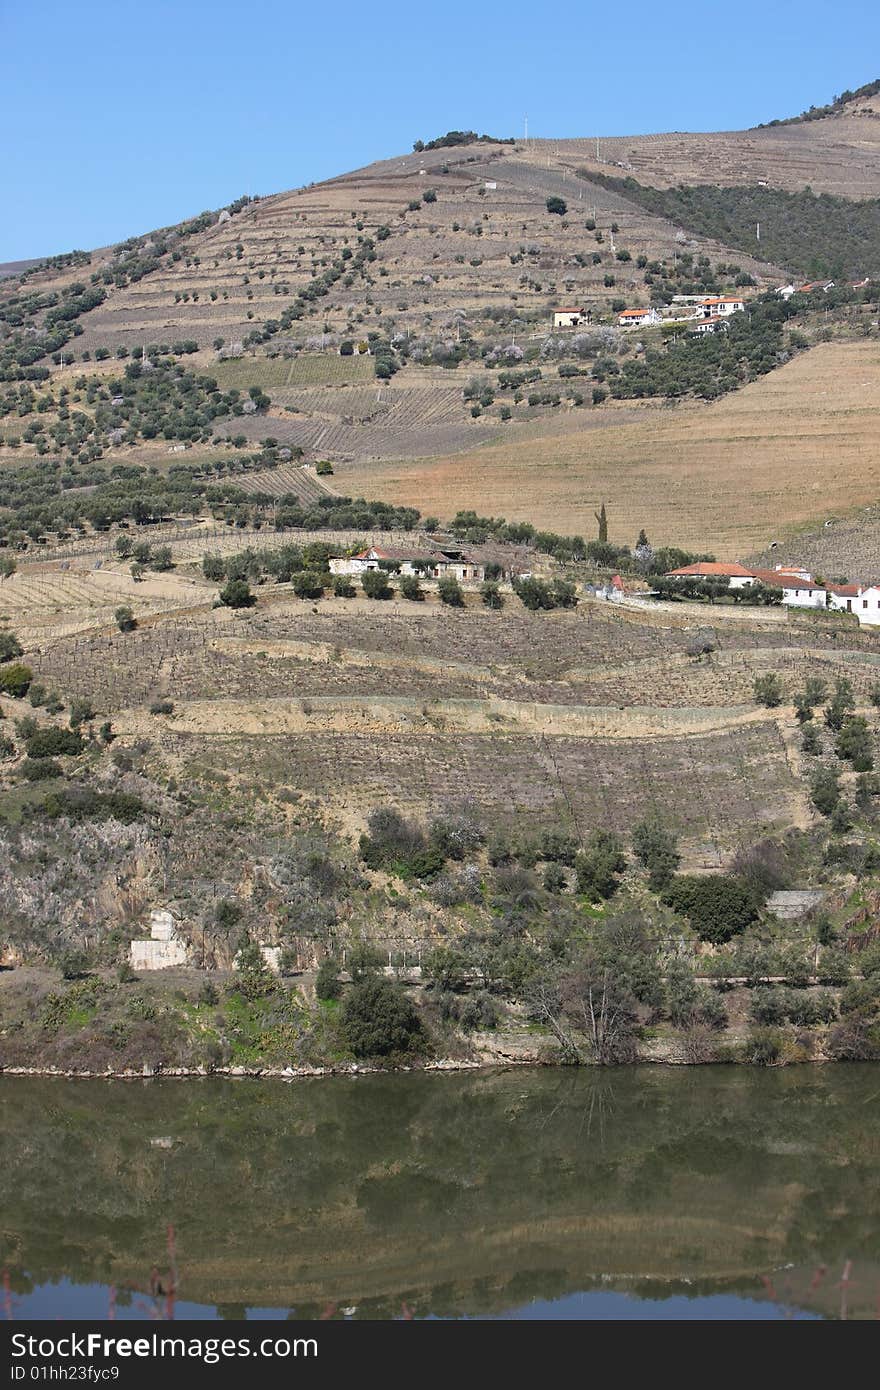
(793, 449)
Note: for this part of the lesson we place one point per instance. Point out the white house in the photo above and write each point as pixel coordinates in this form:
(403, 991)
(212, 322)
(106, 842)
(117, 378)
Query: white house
(861, 599)
(638, 318)
(570, 318)
(798, 589)
(719, 306)
(703, 327)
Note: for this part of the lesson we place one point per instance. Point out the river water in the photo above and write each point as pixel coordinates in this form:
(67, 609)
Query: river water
(645, 1192)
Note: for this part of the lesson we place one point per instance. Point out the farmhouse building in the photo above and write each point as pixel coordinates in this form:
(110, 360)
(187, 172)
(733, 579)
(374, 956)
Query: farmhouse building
(863, 600)
(638, 318)
(714, 569)
(436, 563)
(799, 589)
(570, 318)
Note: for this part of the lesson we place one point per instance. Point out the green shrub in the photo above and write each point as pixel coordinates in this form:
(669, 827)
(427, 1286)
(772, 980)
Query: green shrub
(377, 1020)
(74, 965)
(10, 647)
(54, 742)
(83, 803)
(768, 690)
(375, 584)
(162, 707)
(125, 619)
(491, 594)
(237, 594)
(655, 847)
(307, 584)
(718, 906)
(825, 790)
(764, 1047)
(410, 588)
(342, 586)
(599, 865)
(327, 982)
(15, 679)
(445, 968)
(81, 711)
(40, 769)
(450, 591)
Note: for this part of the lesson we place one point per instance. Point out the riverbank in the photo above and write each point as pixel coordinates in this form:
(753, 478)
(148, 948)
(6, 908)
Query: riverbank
(177, 1024)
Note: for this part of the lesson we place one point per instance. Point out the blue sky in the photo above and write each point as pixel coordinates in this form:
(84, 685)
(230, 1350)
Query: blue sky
(120, 117)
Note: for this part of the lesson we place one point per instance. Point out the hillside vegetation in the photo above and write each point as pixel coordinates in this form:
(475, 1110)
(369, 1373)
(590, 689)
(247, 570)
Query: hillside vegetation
(810, 234)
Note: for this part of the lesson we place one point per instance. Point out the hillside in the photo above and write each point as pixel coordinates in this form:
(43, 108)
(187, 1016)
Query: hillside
(398, 320)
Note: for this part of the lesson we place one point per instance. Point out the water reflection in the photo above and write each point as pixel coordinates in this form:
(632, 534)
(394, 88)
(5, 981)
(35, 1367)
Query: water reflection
(648, 1192)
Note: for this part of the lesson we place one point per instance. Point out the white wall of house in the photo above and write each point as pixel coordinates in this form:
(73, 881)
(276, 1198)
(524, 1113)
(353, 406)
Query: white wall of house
(567, 318)
(805, 597)
(867, 606)
(639, 320)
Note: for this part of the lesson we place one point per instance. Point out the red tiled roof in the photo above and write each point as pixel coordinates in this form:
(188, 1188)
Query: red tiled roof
(724, 299)
(633, 313)
(784, 579)
(711, 568)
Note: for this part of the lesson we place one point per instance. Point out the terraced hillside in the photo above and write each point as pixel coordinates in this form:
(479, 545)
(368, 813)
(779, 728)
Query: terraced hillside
(839, 155)
(570, 718)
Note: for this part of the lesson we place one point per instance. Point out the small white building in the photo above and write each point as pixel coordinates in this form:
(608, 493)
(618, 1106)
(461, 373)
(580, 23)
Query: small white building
(638, 318)
(703, 327)
(570, 318)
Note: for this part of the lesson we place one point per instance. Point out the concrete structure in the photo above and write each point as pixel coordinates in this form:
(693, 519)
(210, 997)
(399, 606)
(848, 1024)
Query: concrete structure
(793, 904)
(638, 318)
(164, 949)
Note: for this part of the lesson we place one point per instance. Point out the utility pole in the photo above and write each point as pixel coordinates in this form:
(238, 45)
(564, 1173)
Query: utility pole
(757, 231)
(526, 124)
(598, 160)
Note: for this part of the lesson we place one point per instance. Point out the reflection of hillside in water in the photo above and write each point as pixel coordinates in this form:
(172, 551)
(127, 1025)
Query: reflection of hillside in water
(459, 1194)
